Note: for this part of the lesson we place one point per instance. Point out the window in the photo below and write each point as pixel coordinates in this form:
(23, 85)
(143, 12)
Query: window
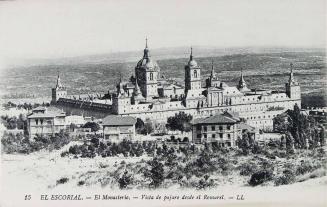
(151, 76)
(228, 135)
(228, 127)
(221, 135)
(213, 128)
(198, 136)
(198, 127)
(41, 120)
(220, 128)
(36, 121)
(213, 136)
(205, 135)
(205, 128)
(195, 74)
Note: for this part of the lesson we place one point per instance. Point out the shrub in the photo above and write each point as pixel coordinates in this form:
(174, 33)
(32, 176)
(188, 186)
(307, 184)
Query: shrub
(247, 169)
(62, 181)
(205, 183)
(156, 173)
(305, 167)
(125, 180)
(260, 177)
(288, 177)
(80, 183)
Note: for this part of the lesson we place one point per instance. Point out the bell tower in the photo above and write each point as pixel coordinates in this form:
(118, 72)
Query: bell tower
(192, 75)
(147, 73)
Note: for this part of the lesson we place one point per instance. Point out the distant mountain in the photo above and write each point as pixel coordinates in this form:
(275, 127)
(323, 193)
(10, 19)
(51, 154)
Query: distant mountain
(158, 54)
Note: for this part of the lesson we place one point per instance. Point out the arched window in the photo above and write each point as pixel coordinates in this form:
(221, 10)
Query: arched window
(195, 74)
(151, 76)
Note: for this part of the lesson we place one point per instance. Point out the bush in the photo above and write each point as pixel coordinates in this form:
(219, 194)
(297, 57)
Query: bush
(80, 183)
(288, 177)
(247, 169)
(205, 183)
(125, 180)
(260, 177)
(62, 181)
(156, 173)
(304, 168)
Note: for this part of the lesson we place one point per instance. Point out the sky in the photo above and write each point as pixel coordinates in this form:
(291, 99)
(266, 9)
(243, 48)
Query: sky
(67, 28)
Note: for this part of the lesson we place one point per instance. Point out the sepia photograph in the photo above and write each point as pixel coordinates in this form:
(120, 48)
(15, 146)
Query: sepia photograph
(163, 103)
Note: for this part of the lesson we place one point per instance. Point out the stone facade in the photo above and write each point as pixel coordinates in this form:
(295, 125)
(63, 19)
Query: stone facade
(43, 121)
(116, 128)
(154, 98)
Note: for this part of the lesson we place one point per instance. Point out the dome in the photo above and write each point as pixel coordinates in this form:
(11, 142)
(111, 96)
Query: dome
(148, 64)
(192, 63)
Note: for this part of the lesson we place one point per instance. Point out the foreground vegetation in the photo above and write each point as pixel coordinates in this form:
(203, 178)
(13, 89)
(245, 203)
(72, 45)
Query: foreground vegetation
(197, 166)
(20, 143)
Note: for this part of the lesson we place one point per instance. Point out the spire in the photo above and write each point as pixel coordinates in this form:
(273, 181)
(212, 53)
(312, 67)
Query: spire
(291, 80)
(58, 85)
(212, 69)
(241, 83)
(146, 49)
(146, 42)
(120, 87)
(191, 55)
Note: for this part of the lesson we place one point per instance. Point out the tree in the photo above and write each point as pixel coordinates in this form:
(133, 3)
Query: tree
(156, 173)
(180, 121)
(301, 128)
(143, 128)
(94, 126)
(148, 125)
(139, 126)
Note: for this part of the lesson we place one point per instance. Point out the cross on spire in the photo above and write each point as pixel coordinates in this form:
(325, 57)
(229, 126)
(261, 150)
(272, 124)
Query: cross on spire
(146, 49)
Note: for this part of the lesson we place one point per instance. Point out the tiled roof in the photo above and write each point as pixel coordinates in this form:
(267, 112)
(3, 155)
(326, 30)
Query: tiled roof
(49, 112)
(216, 119)
(39, 108)
(113, 120)
(244, 126)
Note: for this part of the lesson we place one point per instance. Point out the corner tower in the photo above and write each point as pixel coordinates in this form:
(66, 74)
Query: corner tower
(59, 91)
(192, 75)
(293, 89)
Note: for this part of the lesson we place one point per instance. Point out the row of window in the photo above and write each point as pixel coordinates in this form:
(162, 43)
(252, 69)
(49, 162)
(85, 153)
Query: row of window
(220, 135)
(213, 128)
(37, 121)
